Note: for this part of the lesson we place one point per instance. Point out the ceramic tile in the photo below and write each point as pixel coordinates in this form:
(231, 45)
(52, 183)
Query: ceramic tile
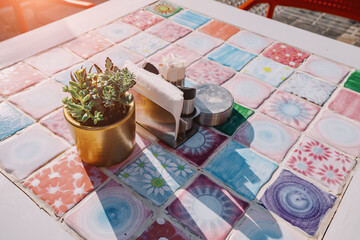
(285, 54)
(164, 9)
(353, 82)
(200, 146)
(325, 69)
(11, 120)
(231, 57)
(241, 169)
(64, 76)
(248, 90)
(53, 61)
(144, 44)
(189, 56)
(111, 213)
(298, 201)
(65, 181)
(117, 31)
(163, 229)
(206, 71)
(190, 19)
(56, 122)
(207, 209)
(338, 132)
(142, 19)
(346, 103)
(118, 56)
(23, 154)
(219, 29)
(323, 164)
(157, 174)
(290, 110)
(266, 136)
(169, 31)
(239, 115)
(261, 224)
(87, 45)
(199, 43)
(309, 88)
(268, 71)
(40, 100)
(250, 41)
(18, 77)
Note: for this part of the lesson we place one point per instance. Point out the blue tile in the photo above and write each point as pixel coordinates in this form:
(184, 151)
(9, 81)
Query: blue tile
(64, 77)
(11, 120)
(241, 169)
(231, 56)
(190, 19)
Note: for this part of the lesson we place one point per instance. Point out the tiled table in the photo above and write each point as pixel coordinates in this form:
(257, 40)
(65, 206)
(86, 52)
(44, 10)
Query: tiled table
(278, 169)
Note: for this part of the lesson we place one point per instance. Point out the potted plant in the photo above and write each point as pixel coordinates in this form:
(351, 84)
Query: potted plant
(101, 114)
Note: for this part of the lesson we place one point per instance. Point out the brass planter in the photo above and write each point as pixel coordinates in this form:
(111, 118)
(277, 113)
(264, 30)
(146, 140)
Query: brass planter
(106, 145)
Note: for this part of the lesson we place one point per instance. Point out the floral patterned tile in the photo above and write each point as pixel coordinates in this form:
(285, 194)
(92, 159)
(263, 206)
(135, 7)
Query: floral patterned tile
(64, 76)
(207, 209)
(219, 29)
(325, 69)
(248, 90)
(285, 54)
(23, 154)
(164, 9)
(353, 82)
(169, 31)
(87, 45)
(297, 201)
(144, 44)
(323, 164)
(163, 229)
(338, 132)
(190, 19)
(189, 56)
(199, 43)
(200, 146)
(239, 115)
(117, 31)
(40, 100)
(142, 19)
(268, 71)
(111, 213)
(157, 174)
(347, 103)
(231, 57)
(65, 181)
(18, 77)
(11, 120)
(309, 88)
(250, 41)
(290, 110)
(53, 61)
(267, 136)
(206, 71)
(242, 169)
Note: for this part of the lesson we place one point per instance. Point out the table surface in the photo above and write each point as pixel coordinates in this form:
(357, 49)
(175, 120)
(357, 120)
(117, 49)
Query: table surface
(282, 167)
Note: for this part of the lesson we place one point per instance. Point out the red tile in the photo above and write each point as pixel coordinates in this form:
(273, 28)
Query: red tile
(219, 29)
(285, 54)
(347, 103)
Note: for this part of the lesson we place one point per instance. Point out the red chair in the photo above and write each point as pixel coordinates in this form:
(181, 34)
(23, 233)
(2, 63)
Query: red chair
(344, 8)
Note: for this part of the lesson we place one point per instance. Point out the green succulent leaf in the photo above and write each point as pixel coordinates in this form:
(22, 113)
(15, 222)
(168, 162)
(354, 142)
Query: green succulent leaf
(127, 99)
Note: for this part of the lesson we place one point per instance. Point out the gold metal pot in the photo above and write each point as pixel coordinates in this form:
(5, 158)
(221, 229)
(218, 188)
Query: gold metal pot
(106, 145)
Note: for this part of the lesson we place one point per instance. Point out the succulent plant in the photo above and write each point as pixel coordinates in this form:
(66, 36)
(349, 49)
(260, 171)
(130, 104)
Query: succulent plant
(99, 98)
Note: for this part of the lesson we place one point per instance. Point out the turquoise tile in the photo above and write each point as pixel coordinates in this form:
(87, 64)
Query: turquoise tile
(190, 19)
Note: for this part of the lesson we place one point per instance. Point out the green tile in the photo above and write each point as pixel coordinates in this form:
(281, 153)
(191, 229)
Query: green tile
(353, 82)
(164, 9)
(238, 116)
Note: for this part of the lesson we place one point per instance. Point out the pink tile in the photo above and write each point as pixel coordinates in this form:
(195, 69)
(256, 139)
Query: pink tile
(40, 100)
(347, 103)
(250, 41)
(88, 45)
(325, 69)
(142, 19)
(18, 77)
(338, 132)
(248, 90)
(199, 43)
(117, 31)
(323, 164)
(291, 110)
(53, 61)
(285, 54)
(163, 229)
(267, 136)
(169, 31)
(189, 56)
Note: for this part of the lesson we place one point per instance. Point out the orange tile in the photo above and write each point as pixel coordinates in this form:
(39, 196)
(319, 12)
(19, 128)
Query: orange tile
(219, 29)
